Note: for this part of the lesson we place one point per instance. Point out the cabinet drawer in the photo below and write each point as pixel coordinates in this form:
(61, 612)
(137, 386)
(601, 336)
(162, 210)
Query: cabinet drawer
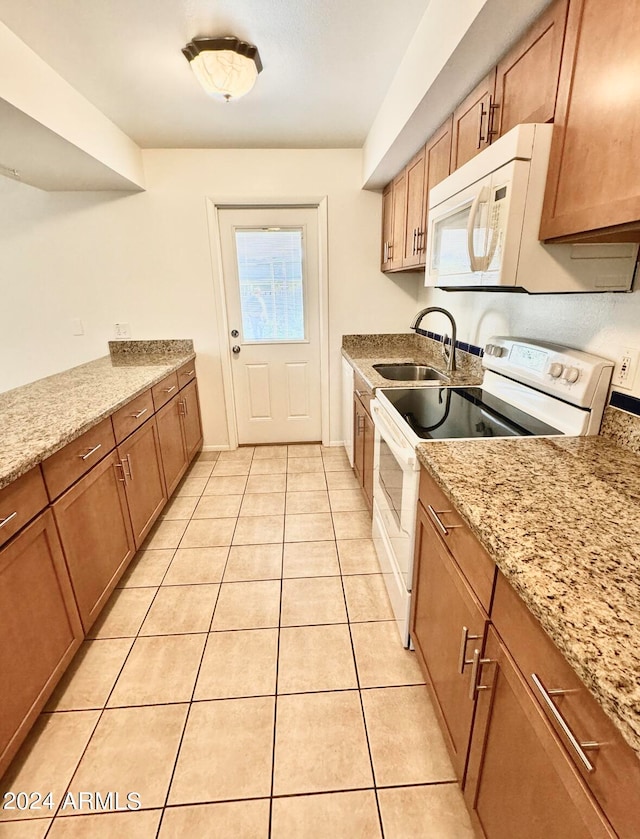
(165, 390)
(363, 391)
(127, 419)
(20, 502)
(615, 779)
(474, 562)
(65, 467)
(186, 373)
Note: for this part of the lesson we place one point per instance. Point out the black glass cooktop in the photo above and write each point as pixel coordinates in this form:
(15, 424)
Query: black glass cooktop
(445, 413)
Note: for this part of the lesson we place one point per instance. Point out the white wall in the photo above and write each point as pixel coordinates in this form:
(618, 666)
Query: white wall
(145, 259)
(603, 324)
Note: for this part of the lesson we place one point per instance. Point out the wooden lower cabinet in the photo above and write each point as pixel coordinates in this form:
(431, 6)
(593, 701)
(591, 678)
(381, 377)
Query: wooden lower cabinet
(520, 780)
(172, 444)
(95, 529)
(363, 441)
(39, 626)
(144, 480)
(447, 625)
(191, 424)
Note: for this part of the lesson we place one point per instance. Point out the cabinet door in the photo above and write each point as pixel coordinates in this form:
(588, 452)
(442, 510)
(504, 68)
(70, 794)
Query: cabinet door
(520, 781)
(399, 210)
(415, 211)
(359, 416)
(594, 168)
(94, 526)
(191, 424)
(367, 464)
(39, 627)
(144, 481)
(172, 445)
(447, 624)
(527, 78)
(472, 122)
(387, 226)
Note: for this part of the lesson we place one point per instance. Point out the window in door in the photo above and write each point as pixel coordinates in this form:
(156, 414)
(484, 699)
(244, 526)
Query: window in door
(271, 284)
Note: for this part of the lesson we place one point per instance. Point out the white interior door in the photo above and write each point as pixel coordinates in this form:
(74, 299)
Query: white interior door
(270, 270)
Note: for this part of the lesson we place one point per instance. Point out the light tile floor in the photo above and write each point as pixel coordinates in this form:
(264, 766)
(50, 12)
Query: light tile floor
(246, 679)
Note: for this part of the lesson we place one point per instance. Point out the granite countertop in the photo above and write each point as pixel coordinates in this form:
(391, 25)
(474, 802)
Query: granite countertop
(40, 418)
(363, 351)
(561, 518)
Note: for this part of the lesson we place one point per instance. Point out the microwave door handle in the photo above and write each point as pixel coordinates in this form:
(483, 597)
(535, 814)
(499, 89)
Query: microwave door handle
(475, 262)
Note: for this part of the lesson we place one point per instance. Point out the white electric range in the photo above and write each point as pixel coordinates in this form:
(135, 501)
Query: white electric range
(529, 388)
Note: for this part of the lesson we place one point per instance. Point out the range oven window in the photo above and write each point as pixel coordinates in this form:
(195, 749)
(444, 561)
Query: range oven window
(391, 478)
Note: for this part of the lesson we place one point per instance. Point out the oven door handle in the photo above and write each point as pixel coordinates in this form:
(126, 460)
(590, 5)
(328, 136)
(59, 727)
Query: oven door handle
(404, 454)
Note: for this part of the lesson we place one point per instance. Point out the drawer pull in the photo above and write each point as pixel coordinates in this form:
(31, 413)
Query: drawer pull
(90, 452)
(436, 519)
(474, 687)
(188, 372)
(169, 389)
(8, 519)
(140, 413)
(578, 747)
(462, 658)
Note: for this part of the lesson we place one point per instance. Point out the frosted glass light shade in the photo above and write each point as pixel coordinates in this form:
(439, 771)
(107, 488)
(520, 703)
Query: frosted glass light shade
(225, 67)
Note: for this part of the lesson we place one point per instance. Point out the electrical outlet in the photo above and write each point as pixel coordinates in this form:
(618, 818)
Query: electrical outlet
(122, 331)
(625, 370)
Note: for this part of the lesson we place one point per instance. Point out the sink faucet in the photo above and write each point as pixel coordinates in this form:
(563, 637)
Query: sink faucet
(449, 354)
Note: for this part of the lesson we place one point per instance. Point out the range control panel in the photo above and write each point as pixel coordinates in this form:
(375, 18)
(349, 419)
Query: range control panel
(571, 375)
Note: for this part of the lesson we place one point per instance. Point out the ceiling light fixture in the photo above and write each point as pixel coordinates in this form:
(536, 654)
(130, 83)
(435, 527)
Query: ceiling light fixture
(227, 68)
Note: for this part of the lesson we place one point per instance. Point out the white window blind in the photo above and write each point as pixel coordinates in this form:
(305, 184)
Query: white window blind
(271, 284)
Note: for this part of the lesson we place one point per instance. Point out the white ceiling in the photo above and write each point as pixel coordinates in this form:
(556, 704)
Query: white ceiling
(327, 65)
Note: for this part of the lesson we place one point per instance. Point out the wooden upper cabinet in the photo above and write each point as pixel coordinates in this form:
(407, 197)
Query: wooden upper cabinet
(437, 160)
(593, 184)
(399, 210)
(472, 122)
(415, 211)
(387, 226)
(527, 76)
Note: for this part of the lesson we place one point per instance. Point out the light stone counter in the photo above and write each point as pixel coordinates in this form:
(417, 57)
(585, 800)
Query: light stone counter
(363, 351)
(40, 418)
(561, 518)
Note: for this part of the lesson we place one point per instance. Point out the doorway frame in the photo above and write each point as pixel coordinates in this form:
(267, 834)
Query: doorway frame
(319, 203)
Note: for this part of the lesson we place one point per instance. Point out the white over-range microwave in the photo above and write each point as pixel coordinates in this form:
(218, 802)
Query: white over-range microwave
(484, 220)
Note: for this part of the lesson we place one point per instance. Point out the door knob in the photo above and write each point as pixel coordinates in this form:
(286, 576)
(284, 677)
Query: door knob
(234, 333)
(235, 349)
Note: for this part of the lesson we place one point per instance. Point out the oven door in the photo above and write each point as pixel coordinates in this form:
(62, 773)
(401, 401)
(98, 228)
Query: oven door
(395, 493)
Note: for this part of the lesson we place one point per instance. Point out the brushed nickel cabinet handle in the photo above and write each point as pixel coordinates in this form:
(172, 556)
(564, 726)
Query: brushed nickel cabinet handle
(435, 516)
(120, 466)
(182, 408)
(140, 413)
(126, 474)
(462, 658)
(415, 234)
(90, 452)
(169, 389)
(474, 687)
(491, 132)
(191, 372)
(483, 114)
(578, 747)
(130, 466)
(8, 519)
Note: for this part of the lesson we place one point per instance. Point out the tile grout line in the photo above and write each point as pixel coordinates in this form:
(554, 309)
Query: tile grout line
(195, 683)
(364, 718)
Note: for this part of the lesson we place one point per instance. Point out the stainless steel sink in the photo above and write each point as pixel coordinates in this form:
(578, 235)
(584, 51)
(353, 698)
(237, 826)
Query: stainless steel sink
(407, 372)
